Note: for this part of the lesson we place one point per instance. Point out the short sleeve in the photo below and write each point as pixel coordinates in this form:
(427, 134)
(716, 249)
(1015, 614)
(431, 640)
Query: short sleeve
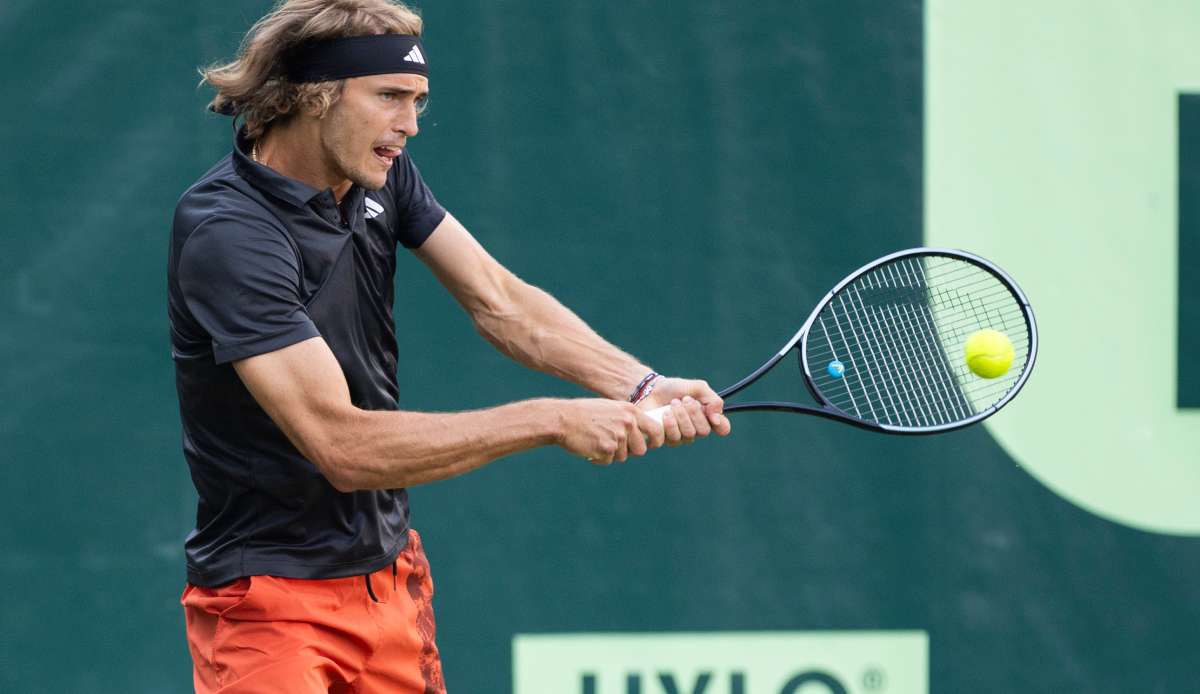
(417, 212)
(241, 281)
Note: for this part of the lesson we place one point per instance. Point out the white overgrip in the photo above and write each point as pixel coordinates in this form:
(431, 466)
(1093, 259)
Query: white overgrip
(657, 413)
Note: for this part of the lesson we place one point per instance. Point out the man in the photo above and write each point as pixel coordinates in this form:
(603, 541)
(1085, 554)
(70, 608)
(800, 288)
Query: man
(303, 572)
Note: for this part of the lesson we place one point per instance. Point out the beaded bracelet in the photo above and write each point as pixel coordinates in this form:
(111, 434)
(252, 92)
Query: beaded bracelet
(644, 388)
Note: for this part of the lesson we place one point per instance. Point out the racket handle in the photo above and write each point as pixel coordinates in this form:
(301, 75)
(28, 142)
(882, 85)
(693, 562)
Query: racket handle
(657, 413)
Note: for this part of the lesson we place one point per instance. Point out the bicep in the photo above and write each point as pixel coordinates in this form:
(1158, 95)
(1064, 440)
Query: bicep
(304, 391)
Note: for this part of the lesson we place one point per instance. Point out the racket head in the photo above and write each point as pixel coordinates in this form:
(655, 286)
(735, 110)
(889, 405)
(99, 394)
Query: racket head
(884, 348)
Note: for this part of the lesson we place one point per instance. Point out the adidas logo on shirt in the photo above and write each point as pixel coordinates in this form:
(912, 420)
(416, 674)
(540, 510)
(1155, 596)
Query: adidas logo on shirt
(414, 56)
(374, 209)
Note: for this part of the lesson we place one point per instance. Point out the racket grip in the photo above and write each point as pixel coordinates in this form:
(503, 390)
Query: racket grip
(657, 413)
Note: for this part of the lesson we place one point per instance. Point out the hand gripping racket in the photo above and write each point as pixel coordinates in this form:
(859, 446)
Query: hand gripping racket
(884, 350)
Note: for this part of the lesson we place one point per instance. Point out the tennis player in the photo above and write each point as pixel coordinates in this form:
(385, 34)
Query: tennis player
(303, 572)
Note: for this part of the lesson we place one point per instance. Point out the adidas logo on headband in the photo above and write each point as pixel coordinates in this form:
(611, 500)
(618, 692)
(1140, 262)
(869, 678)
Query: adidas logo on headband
(414, 56)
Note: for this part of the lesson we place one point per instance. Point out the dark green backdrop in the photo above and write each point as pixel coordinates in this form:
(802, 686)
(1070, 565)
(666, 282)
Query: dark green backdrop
(689, 177)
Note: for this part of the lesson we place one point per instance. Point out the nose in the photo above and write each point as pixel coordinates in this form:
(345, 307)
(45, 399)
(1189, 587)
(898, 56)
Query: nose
(407, 123)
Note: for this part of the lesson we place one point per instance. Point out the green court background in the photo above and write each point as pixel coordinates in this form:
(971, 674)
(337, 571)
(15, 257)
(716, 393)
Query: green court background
(690, 178)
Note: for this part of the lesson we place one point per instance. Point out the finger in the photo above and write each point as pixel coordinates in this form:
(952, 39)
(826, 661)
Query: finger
(696, 412)
(607, 451)
(622, 449)
(686, 428)
(637, 442)
(650, 429)
(703, 392)
(671, 429)
(714, 411)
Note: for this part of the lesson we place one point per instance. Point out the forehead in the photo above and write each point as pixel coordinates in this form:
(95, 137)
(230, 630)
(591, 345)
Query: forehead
(400, 81)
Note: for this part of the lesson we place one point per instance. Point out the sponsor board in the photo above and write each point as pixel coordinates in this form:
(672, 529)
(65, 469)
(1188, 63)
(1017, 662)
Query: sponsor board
(821, 662)
(1059, 160)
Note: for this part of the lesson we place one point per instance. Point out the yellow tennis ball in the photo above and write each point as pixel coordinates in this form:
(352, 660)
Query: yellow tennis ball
(989, 353)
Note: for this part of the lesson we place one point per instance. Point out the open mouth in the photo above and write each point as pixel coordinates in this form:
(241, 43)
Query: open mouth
(387, 153)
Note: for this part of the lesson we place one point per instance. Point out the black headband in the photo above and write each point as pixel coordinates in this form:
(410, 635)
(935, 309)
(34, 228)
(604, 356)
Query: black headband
(357, 56)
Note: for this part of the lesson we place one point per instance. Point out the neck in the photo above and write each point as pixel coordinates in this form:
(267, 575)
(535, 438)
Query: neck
(289, 150)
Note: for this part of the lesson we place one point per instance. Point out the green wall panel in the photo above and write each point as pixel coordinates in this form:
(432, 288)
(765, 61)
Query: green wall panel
(1189, 252)
(691, 179)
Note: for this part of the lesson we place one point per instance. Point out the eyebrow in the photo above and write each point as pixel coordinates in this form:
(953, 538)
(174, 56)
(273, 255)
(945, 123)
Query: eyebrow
(403, 90)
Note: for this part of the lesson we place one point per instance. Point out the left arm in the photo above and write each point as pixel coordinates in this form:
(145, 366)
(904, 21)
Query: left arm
(524, 322)
(533, 328)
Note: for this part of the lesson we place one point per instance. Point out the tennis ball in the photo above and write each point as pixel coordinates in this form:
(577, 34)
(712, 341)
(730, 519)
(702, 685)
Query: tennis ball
(989, 353)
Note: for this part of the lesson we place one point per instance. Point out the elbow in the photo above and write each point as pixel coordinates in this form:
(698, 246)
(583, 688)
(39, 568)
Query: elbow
(507, 326)
(341, 482)
(334, 444)
(336, 468)
(494, 312)
(330, 449)
(348, 469)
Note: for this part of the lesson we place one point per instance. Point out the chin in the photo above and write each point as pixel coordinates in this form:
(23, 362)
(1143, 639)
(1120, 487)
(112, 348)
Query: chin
(371, 182)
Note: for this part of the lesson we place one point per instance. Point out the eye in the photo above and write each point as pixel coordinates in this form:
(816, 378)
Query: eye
(387, 96)
(421, 103)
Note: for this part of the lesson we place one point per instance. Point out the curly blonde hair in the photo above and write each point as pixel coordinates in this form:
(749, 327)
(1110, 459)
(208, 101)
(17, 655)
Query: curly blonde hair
(254, 87)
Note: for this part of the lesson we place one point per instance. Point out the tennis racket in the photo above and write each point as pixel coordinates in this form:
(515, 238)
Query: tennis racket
(884, 350)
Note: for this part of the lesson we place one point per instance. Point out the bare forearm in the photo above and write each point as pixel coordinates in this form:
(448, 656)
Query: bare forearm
(389, 450)
(302, 388)
(539, 332)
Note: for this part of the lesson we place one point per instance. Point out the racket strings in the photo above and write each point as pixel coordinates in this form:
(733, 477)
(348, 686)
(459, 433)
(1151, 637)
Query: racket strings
(954, 313)
(917, 323)
(899, 332)
(926, 379)
(940, 324)
(911, 369)
(893, 363)
(1010, 322)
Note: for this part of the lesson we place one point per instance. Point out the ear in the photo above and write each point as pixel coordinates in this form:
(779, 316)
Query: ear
(320, 110)
(316, 106)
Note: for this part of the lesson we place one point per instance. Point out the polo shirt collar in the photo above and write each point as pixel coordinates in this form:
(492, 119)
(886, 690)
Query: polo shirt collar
(271, 181)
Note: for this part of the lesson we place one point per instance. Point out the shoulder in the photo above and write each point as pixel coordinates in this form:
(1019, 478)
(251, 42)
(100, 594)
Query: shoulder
(416, 212)
(404, 178)
(222, 226)
(223, 209)
(236, 260)
(402, 166)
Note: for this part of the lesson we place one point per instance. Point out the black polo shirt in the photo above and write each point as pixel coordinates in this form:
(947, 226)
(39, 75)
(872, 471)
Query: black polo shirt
(259, 262)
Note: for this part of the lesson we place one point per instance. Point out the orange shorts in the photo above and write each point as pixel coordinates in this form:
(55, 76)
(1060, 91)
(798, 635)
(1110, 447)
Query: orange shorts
(360, 634)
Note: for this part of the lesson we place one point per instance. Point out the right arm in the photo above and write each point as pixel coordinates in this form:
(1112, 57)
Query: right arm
(304, 391)
(240, 280)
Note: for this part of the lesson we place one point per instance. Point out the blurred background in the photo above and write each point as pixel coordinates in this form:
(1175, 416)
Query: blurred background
(690, 178)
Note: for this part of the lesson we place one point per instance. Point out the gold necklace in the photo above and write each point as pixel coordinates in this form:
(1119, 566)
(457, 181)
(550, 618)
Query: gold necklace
(254, 153)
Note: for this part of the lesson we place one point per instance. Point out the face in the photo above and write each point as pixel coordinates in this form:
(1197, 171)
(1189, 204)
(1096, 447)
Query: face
(372, 120)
